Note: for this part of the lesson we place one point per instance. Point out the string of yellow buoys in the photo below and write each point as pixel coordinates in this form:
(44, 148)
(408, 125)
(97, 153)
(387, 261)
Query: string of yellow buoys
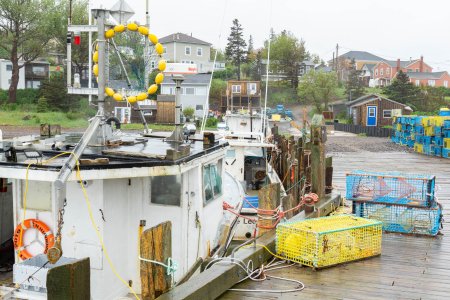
(110, 33)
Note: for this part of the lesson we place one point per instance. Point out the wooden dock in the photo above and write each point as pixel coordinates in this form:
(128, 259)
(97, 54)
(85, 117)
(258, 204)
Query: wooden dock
(410, 267)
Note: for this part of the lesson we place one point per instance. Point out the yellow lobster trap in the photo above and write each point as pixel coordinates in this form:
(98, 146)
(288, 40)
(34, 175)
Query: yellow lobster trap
(328, 241)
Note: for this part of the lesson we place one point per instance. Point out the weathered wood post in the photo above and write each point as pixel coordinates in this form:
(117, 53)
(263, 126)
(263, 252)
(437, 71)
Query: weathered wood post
(318, 139)
(70, 281)
(268, 198)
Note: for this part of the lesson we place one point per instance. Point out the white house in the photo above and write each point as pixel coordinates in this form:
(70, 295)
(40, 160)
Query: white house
(6, 74)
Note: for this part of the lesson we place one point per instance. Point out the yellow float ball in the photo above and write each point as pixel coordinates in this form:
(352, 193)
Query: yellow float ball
(109, 91)
(96, 47)
(132, 99)
(109, 33)
(119, 28)
(117, 97)
(141, 96)
(143, 30)
(162, 65)
(159, 48)
(152, 89)
(95, 70)
(159, 78)
(132, 27)
(95, 57)
(153, 38)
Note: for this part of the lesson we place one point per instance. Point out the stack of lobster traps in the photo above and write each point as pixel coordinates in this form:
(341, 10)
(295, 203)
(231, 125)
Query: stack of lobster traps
(404, 203)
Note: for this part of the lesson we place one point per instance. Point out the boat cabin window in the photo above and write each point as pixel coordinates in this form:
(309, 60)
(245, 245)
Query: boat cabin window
(166, 189)
(212, 182)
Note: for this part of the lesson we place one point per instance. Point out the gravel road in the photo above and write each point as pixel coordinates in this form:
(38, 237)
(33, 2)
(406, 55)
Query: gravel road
(354, 143)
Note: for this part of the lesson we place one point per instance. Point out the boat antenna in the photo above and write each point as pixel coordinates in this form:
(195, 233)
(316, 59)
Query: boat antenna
(264, 114)
(206, 107)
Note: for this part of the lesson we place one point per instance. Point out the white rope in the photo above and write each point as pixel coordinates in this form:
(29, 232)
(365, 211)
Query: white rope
(206, 107)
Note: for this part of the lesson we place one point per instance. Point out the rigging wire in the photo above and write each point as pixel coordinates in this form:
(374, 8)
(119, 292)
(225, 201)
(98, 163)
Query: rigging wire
(263, 113)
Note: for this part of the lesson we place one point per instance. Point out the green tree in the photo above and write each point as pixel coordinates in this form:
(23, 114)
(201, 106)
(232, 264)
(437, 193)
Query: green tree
(403, 91)
(220, 54)
(235, 50)
(318, 89)
(286, 54)
(54, 91)
(257, 67)
(26, 26)
(188, 112)
(217, 90)
(354, 87)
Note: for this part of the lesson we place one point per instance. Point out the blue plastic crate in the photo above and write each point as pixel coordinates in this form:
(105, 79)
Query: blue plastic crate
(401, 218)
(445, 152)
(390, 187)
(253, 200)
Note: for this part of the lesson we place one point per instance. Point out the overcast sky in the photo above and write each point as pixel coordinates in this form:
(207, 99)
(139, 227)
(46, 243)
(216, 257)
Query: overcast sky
(388, 28)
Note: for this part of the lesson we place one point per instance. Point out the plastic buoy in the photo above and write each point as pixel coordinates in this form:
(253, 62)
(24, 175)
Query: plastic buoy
(141, 96)
(143, 30)
(153, 38)
(117, 97)
(159, 78)
(109, 33)
(109, 91)
(132, 99)
(132, 27)
(162, 65)
(119, 28)
(152, 89)
(95, 70)
(159, 48)
(95, 57)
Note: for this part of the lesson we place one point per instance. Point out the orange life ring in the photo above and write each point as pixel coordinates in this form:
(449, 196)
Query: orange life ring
(20, 230)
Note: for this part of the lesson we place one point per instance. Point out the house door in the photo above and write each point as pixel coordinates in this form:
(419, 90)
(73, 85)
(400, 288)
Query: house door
(371, 116)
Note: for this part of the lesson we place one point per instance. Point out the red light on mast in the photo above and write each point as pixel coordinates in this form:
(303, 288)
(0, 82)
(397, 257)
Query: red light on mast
(77, 38)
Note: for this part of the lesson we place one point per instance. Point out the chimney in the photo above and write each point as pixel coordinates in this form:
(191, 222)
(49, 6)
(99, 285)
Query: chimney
(421, 64)
(398, 64)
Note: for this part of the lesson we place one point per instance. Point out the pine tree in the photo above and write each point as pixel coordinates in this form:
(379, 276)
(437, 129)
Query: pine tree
(355, 86)
(250, 49)
(401, 90)
(256, 70)
(235, 50)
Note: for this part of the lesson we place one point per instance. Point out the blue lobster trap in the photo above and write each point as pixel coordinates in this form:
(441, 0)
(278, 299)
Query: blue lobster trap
(391, 188)
(437, 151)
(419, 130)
(438, 130)
(445, 152)
(439, 141)
(401, 218)
(447, 124)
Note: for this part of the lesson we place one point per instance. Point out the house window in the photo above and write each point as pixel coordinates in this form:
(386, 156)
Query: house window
(199, 107)
(376, 72)
(410, 70)
(381, 72)
(431, 82)
(417, 82)
(388, 71)
(251, 88)
(187, 50)
(236, 89)
(199, 51)
(190, 91)
(8, 67)
(446, 83)
(38, 70)
(417, 70)
(212, 182)
(387, 113)
(165, 190)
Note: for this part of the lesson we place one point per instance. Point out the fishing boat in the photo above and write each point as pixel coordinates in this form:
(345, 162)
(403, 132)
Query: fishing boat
(95, 197)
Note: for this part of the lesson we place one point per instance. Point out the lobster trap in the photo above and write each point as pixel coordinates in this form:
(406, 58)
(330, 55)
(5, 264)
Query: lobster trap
(328, 241)
(402, 219)
(391, 188)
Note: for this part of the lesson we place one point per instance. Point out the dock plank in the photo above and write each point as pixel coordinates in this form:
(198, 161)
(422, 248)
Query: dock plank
(410, 267)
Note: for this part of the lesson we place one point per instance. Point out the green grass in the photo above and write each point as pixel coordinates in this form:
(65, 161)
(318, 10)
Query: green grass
(24, 118)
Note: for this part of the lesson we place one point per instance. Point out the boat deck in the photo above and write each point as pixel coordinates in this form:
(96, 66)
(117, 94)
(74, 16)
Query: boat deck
(410, 267)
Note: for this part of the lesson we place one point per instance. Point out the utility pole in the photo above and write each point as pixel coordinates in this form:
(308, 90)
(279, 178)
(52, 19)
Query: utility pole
(147, 49)
(334, 63)
(337, 62)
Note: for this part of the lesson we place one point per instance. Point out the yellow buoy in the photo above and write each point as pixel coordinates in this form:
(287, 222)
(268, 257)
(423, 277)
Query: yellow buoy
(132, 27)
(95, 70)
(141, 96)
(159, 78)
(159, 48)
(95, 57)
(117, 97)
(162, 65)
(109, 33)
(132, 99)
(153, 38)
(143, 30)
(96, 47)
(109, 91)
(119, 28)
(152, 89)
